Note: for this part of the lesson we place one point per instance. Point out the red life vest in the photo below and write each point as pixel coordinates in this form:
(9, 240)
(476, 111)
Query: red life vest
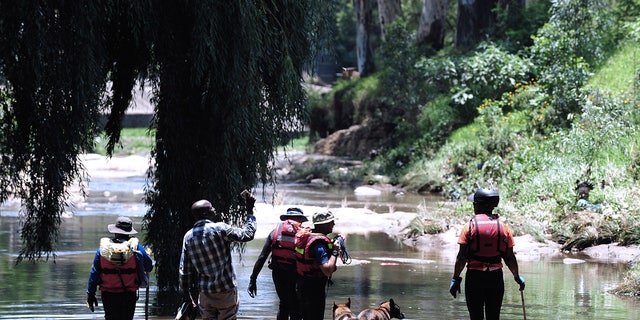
(487, 239)
(283, 242)
(118, 262)
(307, 265)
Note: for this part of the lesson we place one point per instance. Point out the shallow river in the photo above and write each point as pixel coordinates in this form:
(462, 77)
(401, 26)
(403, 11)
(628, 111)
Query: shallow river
(382, 268)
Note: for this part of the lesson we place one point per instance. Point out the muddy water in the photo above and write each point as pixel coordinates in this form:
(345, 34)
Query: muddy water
(382, 268)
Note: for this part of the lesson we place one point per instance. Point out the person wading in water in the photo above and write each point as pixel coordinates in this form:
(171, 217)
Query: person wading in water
(484, 242)
(205, 262)
(280, 244)
(316, 261)
(119, 268)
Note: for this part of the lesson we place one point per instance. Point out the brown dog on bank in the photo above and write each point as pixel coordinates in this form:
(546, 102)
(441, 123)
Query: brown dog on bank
(342, 311)
(385, 311)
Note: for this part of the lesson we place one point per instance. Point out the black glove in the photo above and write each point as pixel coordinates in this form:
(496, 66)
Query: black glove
(454, 287)
(253, 288)
(91, 301)
(520, 281)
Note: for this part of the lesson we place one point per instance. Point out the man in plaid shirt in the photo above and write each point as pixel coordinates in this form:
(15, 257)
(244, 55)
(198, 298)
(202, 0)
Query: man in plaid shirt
(205, 262)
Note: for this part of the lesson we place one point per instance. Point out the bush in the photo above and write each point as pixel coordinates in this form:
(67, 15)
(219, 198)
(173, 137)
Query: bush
(574, 41)
(631, 283)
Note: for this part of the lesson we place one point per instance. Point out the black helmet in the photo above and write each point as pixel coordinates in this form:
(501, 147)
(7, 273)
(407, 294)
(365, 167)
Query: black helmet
(485, 197)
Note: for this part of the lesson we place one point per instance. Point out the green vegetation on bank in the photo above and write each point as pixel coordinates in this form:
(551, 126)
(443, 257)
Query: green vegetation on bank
(530, 122)
(132, 141)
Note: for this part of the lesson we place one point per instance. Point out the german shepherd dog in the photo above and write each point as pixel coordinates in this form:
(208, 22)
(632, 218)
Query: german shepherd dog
(583, 189)
(387, 310)
(342, 311)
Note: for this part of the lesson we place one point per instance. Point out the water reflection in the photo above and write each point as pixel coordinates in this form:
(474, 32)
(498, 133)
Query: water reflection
(382, 268)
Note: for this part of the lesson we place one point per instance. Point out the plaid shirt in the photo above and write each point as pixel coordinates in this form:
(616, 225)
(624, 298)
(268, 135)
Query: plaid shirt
(206, 255)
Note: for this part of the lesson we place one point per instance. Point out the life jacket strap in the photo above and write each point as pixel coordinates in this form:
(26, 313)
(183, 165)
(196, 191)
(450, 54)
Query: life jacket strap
(282, 260)
(496, 259)
(119, 271)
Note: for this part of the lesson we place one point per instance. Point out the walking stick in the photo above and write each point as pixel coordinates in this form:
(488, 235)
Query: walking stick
(524, 312)
(146, 304)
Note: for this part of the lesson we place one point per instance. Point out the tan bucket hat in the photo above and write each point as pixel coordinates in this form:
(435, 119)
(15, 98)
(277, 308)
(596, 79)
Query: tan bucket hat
(123, 225)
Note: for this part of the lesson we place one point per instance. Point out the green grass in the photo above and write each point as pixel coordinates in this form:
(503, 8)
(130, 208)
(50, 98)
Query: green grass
(140, 141)
(132, 141)
(298, 144)
(631, 284)
(618, 73)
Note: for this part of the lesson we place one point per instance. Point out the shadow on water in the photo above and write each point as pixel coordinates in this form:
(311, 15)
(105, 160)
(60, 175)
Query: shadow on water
(382, 268)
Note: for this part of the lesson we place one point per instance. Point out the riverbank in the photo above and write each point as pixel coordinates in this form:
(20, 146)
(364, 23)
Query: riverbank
(362, 220)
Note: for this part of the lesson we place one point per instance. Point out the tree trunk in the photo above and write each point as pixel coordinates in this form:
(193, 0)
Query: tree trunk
(388, 11)
(432, 23)
(474, 18)
(364, 17)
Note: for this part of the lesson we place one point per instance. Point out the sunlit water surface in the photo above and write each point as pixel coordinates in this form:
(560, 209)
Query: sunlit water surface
(382, 268)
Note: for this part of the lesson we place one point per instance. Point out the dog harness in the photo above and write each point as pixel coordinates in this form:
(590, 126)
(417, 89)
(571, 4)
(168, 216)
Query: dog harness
(117, 259)
(307, 265)
(283, 242)
(487, 240)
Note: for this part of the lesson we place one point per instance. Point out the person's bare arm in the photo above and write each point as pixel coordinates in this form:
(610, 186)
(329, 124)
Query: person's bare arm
(461, 260)
(262, 258)
(329, 267)
(511, 262)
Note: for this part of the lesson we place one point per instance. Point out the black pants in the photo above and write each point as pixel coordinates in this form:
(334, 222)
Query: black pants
(484, 291)
(312, 295)
(119, 306)
(285, 283)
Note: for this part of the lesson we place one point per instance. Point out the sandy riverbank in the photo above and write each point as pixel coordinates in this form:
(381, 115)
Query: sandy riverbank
(362, 220)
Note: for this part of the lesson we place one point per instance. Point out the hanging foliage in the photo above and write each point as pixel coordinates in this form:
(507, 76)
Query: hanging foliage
(56, 78)
(228, 90)
(227, 86)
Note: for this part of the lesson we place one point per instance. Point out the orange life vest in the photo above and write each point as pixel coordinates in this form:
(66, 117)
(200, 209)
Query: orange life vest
(283, 242)
(118, 263)
(306, 265)
(487, 239)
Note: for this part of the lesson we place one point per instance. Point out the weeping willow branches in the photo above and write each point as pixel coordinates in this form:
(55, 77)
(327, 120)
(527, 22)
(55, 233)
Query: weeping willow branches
(226, 78)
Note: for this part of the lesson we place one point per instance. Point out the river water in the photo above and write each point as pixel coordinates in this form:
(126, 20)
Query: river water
(382, 267)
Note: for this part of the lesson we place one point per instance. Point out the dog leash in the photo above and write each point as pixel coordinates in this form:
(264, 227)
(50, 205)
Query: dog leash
(345, 257)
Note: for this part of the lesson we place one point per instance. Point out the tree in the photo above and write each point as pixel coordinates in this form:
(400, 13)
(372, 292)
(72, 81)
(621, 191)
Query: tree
(56, 73)
(364, 16)
(388, 10)
(432, 23)
(227, 87)
(475, 18)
